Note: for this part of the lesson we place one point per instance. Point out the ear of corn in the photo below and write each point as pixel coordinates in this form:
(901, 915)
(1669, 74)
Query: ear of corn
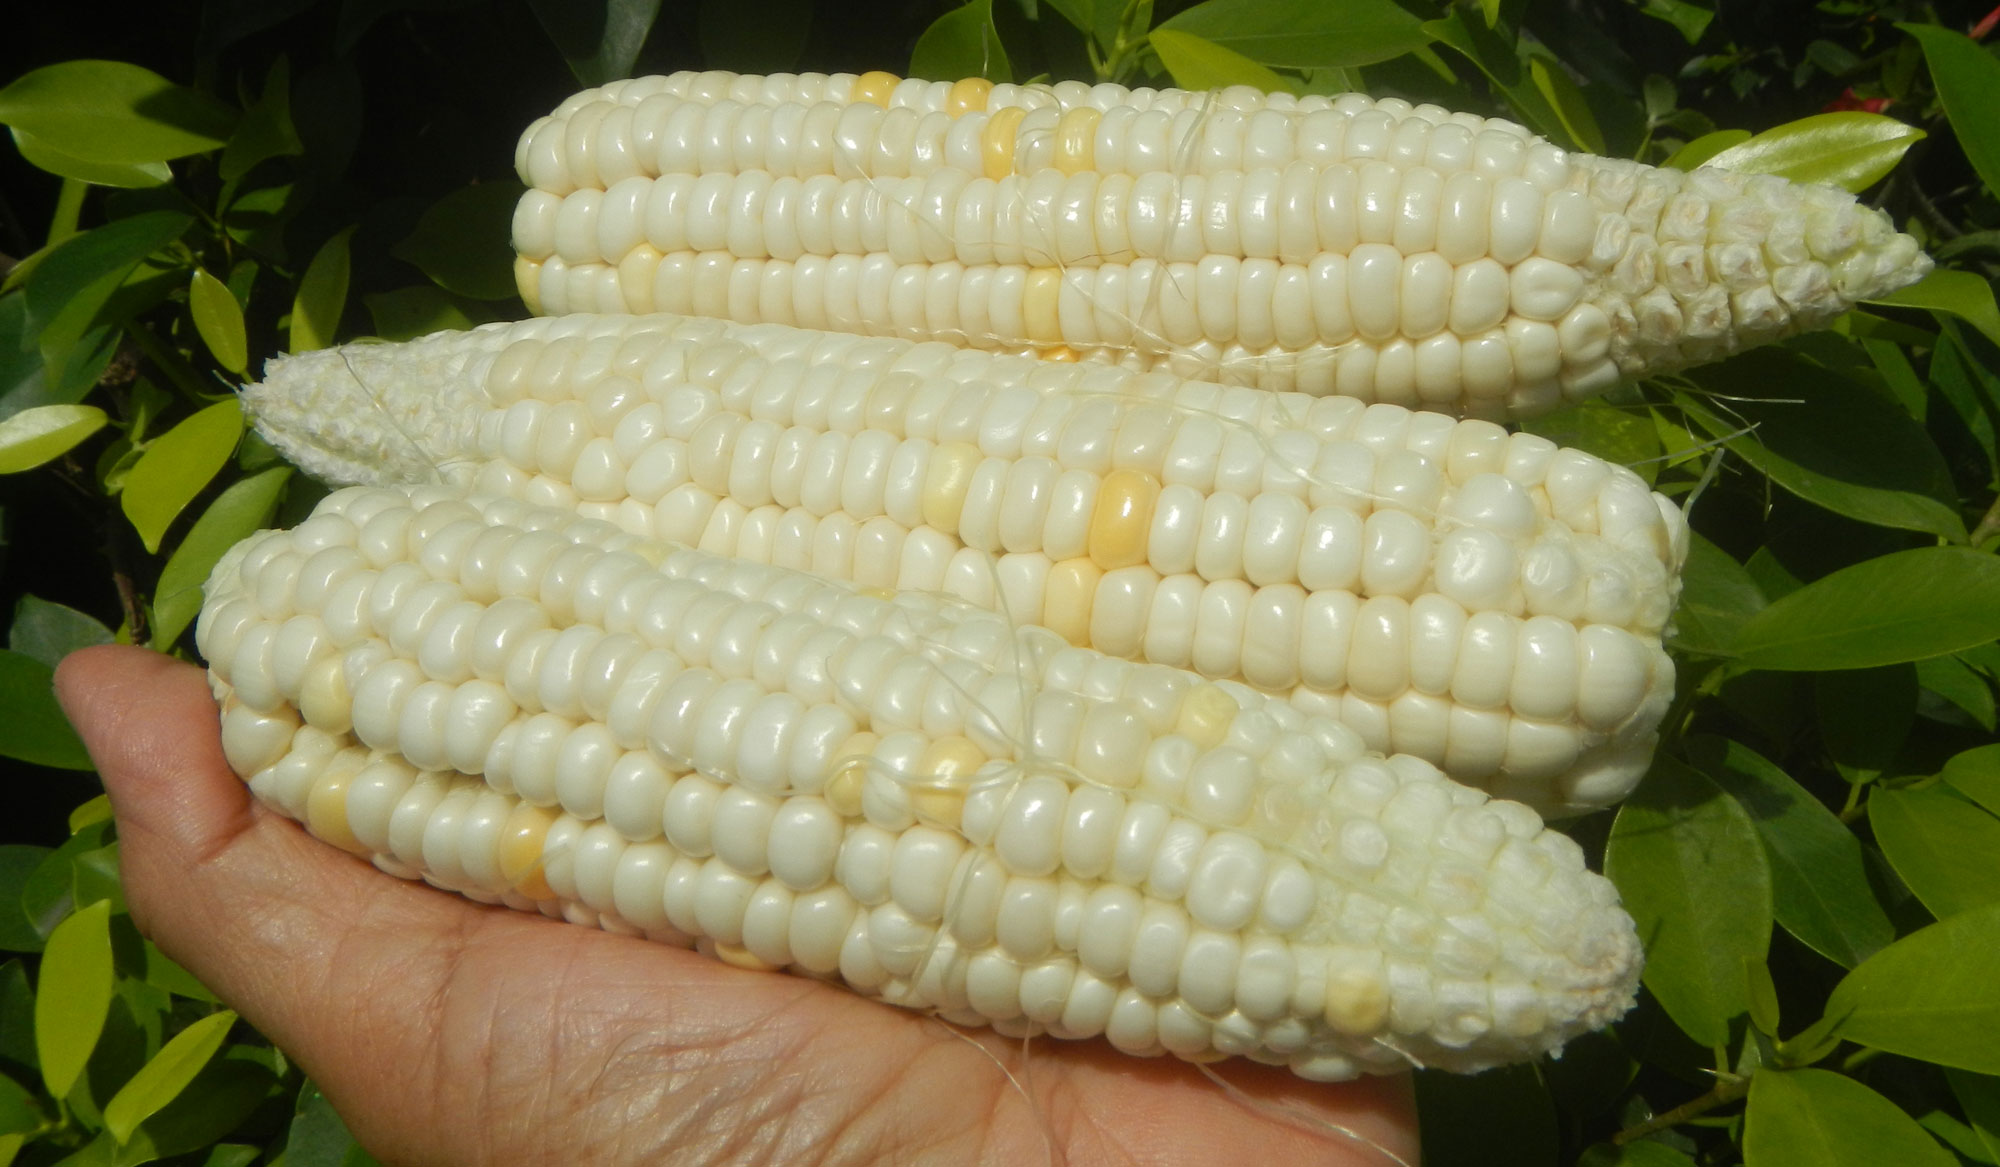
(1325, 244)
(934, 806)
(1482, 600)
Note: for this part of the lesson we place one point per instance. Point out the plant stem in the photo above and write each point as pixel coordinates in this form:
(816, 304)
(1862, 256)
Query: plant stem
(1725, 1091)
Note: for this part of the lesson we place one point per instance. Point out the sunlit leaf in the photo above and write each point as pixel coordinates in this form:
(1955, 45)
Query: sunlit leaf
(1941, 844)
(1849, 149)
(1691, 871)
(1900, 607)
(1568, 101)
(1201, 64)
(1690, 20)
(71, 283)
(1931, 995)
(34, 436)
(73, 994)
(119, 174)
(1817, 1118)
(1819, 880)
(322, 295)
(176, 467)
(1968, 83)
(1699, 151)
(962, 43)
(111, 111)
(1298, 33)
(1598, 427)
(1962, 293)
(168, 1073)
(219, 320)
(236, 513)
(461, 241)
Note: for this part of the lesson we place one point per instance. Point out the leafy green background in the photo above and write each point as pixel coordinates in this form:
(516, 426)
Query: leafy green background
(1815, 859)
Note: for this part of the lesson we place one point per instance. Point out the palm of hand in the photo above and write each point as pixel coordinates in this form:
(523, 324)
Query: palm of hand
(448, 1032)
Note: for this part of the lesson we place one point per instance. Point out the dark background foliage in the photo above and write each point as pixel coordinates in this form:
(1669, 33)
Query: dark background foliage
(1817, 799)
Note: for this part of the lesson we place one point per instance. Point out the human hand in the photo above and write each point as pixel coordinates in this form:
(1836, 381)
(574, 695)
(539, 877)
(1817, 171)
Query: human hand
(449, 1032)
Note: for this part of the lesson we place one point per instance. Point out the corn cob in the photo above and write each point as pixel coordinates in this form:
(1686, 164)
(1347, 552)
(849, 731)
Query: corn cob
(1482, 600)
(1370, 248)
(940, 809)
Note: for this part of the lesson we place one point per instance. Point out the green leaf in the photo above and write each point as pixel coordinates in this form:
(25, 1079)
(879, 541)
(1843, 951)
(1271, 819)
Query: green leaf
(1899, 607)
(1817, 1118)
(1598, 427)
(600, 39)
(461, 241)
(1690, 20)
(1961, 293)
(1500, 1118)
(1931, 995)
(224, 1094)
(72, 283)
(219, 320)
(73, 995)
(1941, 844)
(48, 631)
(19, 1112)
(1717, 598)
(177, 466)
(1699, 151)
(119, 174)
(1864, 717)
(962, 43)
(1819, 878)
(1848, 149)
(166, 1075)
(318, 1137)
(32, 726)
(1298, 34)
(1952, 680)
(1563, 96)
(266, 130)
(1690, 869)
(1199, 64)
(1500, 57)
(34, 436)
(1975, 773)
(322, 295)
(1979, 1097)
(1829, 440)
(1968, 84)
(110, 111)
(17, 862)
(236, 513)
(411, 312)
(17, 1017)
